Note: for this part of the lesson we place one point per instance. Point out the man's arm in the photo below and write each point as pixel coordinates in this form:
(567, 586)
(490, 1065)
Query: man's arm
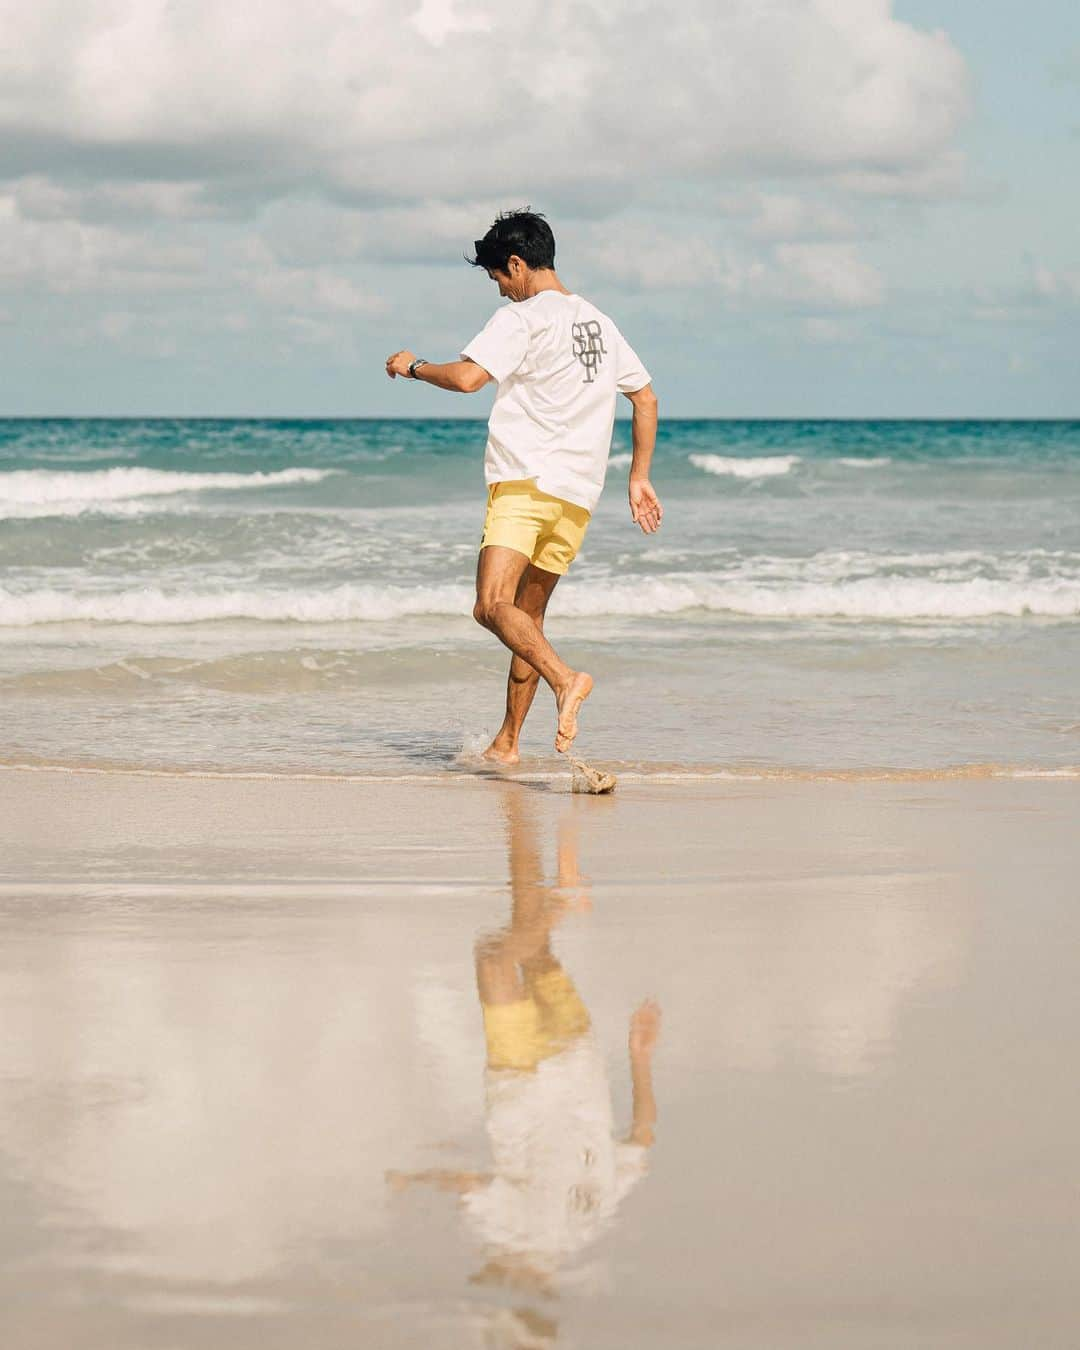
(644, 1030)
(443, 1179)
(461, 377)
(644, 504)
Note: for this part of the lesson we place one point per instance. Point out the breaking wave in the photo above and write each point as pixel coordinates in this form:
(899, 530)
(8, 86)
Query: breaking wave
(761, 466)
(868, 598)
(45, 492)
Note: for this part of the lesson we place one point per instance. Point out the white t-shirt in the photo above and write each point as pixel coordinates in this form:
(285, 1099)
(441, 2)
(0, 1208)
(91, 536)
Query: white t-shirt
(560, 363)
(559, 1173)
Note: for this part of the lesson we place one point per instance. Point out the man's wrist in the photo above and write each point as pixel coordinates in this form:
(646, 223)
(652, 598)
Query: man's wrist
(415, 365)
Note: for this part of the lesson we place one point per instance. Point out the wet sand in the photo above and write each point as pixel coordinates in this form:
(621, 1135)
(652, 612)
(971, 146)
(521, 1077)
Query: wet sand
(247, 1091)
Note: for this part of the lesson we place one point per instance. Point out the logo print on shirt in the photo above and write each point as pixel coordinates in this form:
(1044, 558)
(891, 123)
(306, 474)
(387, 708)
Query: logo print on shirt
(589, 347)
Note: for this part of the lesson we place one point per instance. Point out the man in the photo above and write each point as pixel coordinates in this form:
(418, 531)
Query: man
(559, 1169)
(558, 363)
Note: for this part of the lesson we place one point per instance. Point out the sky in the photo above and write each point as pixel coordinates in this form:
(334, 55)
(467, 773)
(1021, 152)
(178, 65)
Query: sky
(820, 208)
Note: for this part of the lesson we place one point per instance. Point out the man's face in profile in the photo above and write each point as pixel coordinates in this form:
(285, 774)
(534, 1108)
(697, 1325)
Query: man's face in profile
(509, 289)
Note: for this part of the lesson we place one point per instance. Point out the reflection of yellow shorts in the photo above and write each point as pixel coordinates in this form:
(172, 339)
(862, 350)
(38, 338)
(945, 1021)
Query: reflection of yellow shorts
(551, 1015)
(546, 529)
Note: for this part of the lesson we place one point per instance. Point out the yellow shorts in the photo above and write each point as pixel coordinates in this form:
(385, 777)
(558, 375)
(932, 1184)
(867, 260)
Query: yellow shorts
(521, 1034)
(546, 529)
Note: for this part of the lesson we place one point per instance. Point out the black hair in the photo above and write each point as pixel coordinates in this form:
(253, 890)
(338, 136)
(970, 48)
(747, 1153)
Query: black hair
(525, 234)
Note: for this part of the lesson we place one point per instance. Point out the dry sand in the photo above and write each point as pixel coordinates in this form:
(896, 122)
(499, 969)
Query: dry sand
(231, 1008)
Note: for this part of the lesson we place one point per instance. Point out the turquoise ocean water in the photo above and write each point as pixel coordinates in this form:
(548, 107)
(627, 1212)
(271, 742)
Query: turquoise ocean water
(294, 596)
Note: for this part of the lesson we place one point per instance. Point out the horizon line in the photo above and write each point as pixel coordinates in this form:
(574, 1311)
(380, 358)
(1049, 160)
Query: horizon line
(681, 417)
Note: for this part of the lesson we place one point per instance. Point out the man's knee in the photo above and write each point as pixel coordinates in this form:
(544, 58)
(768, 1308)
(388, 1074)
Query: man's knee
(490, 948)
(496, 970)
(486, 608)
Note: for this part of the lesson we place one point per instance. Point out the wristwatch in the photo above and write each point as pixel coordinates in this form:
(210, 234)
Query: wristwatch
(414, 366)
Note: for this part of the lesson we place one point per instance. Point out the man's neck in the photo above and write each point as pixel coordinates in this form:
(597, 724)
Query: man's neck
(545, 280)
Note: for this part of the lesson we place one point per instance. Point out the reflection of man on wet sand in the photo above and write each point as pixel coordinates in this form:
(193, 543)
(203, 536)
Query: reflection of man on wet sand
(559, 1173)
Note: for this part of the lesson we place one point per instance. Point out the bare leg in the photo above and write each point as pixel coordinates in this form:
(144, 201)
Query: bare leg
(533, 593)
(498, 574)
(525, 941)
(535, 908)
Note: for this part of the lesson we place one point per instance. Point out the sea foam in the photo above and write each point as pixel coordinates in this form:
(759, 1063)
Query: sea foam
(867, 598)
(45, 492)
(761, 466)
(150, 605)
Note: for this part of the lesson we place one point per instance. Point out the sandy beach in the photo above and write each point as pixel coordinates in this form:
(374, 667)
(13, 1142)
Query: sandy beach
(243, 1095)
(708, 372)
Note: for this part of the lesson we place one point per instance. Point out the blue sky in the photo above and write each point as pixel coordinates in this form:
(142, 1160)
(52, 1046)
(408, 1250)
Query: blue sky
(799, 208)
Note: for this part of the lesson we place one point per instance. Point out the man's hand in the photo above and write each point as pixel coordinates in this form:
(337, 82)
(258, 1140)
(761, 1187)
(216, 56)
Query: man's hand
(399, 363)
(645, 506)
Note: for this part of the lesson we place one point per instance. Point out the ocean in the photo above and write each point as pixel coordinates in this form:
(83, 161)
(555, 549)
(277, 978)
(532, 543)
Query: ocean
(293, 597)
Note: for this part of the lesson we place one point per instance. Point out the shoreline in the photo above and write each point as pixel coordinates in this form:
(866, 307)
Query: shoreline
(112, 828)
(474, 771)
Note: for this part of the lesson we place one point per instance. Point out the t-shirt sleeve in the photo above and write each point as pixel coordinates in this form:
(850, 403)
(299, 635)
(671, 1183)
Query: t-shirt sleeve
(630, 374)
(501, 345)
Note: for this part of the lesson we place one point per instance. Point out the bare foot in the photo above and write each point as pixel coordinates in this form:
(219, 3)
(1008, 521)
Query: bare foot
(500, 756)
(570, 699)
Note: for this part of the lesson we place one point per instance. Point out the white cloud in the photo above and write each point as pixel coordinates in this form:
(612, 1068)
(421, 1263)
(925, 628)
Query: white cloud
(787, 216)
(818, 275)
(313, 289)
(300, 232)
(638, 255)
(1055, 285)
(942, 176)
(437, 19)
(310, 332)
(1043, 293)
(362, 100)
(62, 256)
(38, 197)
(831, 274)
(256, 164)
